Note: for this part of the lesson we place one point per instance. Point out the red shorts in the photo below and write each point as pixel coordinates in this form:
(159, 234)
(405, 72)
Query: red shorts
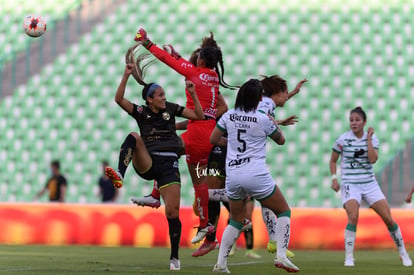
(197, 141)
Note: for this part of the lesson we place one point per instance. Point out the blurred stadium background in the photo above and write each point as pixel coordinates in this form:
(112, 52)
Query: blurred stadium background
(56, 99)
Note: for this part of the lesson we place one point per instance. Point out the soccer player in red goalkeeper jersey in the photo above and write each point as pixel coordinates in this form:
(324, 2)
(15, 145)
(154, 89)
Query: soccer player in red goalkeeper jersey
(207, 76)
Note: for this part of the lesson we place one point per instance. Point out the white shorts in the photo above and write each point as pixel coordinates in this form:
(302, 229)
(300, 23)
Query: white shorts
(369, 192)
(241, 185)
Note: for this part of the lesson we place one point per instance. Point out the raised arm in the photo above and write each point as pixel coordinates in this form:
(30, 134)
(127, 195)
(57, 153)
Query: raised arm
(197, 113)
(119, 96)
(297, 88)
(332, 168)
(372, 152)
(176, 62)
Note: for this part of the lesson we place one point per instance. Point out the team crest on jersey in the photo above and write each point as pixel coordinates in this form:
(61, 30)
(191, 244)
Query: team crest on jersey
(139, 109)
(175, 164)
(166, 116)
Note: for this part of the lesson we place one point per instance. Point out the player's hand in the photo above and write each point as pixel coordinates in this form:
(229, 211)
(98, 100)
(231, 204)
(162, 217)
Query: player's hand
(141, 35)
(370, 132)
(288, 121)
(408, 198)
(300, 84)
(190, 86)
(335, 185)
(129, 68)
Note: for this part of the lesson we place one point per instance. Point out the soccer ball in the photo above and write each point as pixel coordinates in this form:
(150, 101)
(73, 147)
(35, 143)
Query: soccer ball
(34, 26)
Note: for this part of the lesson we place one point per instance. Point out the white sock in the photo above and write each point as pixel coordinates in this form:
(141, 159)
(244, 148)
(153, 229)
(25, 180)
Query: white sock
(217, 195)
(269, 219)
(398, 240)
(349, 243)
(282, 235)
(230, 235)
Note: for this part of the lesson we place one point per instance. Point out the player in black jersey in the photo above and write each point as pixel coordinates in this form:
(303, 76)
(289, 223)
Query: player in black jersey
(154, 153)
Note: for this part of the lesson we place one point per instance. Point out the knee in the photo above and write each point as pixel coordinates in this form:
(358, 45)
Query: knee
(171, 212)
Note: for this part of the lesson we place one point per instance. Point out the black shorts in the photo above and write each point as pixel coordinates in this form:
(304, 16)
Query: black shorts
(164, 170)
(216, 164)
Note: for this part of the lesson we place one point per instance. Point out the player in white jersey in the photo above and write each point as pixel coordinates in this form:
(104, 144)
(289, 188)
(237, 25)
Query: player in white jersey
(247, 174)
(271, 86)
(359, 151)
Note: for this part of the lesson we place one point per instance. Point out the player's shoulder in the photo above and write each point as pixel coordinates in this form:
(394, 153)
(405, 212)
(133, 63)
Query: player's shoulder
(346, 135)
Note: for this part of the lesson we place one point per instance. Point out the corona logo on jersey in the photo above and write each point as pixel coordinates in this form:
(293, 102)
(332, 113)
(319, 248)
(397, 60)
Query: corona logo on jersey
(209, 78)
(236, 117)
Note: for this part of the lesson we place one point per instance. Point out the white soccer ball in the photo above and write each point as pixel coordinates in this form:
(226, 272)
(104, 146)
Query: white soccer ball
(34, 26)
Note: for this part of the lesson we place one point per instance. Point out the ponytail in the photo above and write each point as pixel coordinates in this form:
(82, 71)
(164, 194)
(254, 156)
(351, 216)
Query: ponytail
(140, 61)
(141, 64)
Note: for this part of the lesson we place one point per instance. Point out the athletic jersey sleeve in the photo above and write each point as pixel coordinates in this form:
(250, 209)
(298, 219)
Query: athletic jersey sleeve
(221, 124)
(338, 146)
(180, 65)
(137, 111)
(268, 125)
(375, 142)
(176, 109)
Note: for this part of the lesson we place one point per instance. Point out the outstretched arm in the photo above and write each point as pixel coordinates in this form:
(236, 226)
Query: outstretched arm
(119, 96)
(288, 121)
(180, 65)
(297, 88)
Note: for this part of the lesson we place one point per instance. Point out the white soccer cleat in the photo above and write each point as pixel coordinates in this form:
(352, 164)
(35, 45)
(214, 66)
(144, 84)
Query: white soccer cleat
(286, 264)
(405, 259)
(175, 264)
(147, 201)
(220, 269)
(349, 261)
(202, 232)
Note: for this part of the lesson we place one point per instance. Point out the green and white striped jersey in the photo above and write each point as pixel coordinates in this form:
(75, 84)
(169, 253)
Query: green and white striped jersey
(355, 166)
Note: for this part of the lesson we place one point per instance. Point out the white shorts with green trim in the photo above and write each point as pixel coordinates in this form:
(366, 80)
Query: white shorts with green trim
(369, 192)
(242, 184)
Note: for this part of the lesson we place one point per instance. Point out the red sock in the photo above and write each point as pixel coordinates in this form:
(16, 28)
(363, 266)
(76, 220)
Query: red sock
(155, 192)
(201, 195)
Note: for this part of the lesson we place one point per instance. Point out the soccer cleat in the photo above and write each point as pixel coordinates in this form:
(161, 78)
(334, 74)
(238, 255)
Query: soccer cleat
(405, 259)
(147, 201)
(205, 248)
(115, 176)
(349, 261)
(250, 253)
(272, 248)
(233, 249)
(286, 264)
(170, 49)
(220, 269)
(141, 35)
(247, 225)
(175, 264)
(202, 232)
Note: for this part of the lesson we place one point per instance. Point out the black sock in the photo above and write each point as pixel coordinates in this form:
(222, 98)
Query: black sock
(125, 155)
(175, 236)
(226, 204)
(213, 216)
(248, 236)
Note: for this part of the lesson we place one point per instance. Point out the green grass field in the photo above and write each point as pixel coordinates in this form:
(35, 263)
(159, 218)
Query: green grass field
(129, 260)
